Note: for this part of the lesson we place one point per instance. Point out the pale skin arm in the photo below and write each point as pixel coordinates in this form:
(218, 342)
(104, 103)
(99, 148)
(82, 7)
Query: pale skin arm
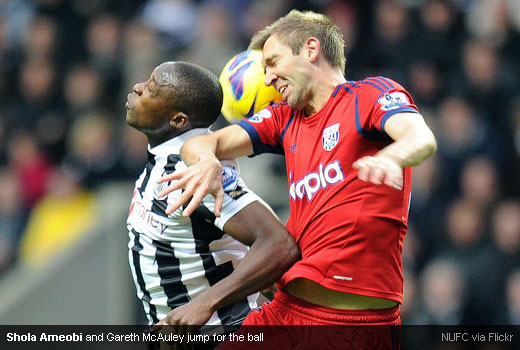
(414, 142)
(202, 154)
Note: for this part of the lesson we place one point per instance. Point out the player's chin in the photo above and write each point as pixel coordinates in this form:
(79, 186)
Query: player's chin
(293, 103)
(130, 120)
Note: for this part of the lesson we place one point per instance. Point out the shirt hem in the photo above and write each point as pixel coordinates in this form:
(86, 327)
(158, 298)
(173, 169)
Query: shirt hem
(328, 283)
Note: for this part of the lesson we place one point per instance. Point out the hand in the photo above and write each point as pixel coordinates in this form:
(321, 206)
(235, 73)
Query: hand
(197, 180)
(380, 169)
(186, 319)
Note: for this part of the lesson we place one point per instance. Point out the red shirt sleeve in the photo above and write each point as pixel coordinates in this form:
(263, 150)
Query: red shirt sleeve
(264, 130)
(378, 99)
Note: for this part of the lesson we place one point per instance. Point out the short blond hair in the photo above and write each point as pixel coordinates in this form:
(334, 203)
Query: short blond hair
(297, 26)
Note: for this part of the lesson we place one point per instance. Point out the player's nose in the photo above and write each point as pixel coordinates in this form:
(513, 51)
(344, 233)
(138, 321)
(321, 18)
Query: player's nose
(270, 77)
(138, 88)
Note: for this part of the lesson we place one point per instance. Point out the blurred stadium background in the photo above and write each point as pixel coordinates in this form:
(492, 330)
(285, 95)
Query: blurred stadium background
(68, 160)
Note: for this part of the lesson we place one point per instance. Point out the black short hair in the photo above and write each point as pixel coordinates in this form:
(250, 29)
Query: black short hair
(197, 93)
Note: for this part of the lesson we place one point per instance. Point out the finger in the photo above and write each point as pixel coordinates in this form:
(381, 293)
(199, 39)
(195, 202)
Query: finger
(194, 204)
(179, 203)
(358, 164)
(395, 180)
(177, 175)
(363, 166)
(175, 185)
(173, 208)
(377, 174)
(157, 327)
(183, 199)
(364, 172)
(219, 200)
(192, 196)
(362, 162)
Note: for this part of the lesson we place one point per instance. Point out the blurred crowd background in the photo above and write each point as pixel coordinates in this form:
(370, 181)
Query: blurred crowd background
(67, 66)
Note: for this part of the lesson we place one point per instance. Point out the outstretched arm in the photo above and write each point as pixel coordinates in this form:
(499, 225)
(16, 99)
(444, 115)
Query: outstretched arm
(202, 177)
(414, 142)
(272, 252)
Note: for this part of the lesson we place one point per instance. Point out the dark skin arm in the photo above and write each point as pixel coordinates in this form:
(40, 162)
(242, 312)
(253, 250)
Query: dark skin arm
(272, 252)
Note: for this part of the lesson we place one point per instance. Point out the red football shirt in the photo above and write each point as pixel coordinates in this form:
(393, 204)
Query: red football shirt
(350, 232)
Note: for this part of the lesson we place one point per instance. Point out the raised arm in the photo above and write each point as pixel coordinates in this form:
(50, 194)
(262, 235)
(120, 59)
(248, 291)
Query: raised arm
(272, 252)
(414, 142)
(202, 155)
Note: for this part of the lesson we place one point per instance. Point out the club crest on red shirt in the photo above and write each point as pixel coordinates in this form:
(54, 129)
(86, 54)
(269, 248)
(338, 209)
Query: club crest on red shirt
(330, 137)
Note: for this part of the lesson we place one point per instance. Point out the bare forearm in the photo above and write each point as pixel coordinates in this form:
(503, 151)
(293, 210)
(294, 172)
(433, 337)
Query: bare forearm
(414, 141)
(198, 147)
(263, 265)
(412, 149)
(229, 142)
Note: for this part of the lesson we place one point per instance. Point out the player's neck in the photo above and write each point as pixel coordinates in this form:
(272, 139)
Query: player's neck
(324, 86)
(166, 133)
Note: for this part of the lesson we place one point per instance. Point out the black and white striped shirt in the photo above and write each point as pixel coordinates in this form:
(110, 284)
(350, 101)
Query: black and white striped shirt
(173, 259)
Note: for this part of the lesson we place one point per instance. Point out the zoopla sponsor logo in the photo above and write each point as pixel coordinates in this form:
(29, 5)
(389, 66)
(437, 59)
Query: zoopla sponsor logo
(312, 182)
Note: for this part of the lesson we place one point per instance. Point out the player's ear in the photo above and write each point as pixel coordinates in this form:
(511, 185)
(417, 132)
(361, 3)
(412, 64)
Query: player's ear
(179, 120)
(312, 48)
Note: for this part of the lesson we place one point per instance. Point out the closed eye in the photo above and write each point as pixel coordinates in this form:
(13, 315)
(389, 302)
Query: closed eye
(270, 62)
(151, 90)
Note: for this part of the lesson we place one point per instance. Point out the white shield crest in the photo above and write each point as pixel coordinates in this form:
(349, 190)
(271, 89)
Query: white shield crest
(330, 137)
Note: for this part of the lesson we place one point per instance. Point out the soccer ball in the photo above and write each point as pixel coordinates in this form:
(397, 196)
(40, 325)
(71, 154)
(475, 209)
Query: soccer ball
(245, 92)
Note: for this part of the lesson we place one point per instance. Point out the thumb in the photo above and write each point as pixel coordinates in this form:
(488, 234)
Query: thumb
(158, 325)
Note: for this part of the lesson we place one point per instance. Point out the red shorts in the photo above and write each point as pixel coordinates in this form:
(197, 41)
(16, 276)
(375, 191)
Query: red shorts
(287, 309)
(291, 323)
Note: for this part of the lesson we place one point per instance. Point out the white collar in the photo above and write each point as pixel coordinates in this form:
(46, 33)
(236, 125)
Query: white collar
(174, 145)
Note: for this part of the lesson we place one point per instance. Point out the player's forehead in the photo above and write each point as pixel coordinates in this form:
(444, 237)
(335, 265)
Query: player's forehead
(273, 48)
(164, 74)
